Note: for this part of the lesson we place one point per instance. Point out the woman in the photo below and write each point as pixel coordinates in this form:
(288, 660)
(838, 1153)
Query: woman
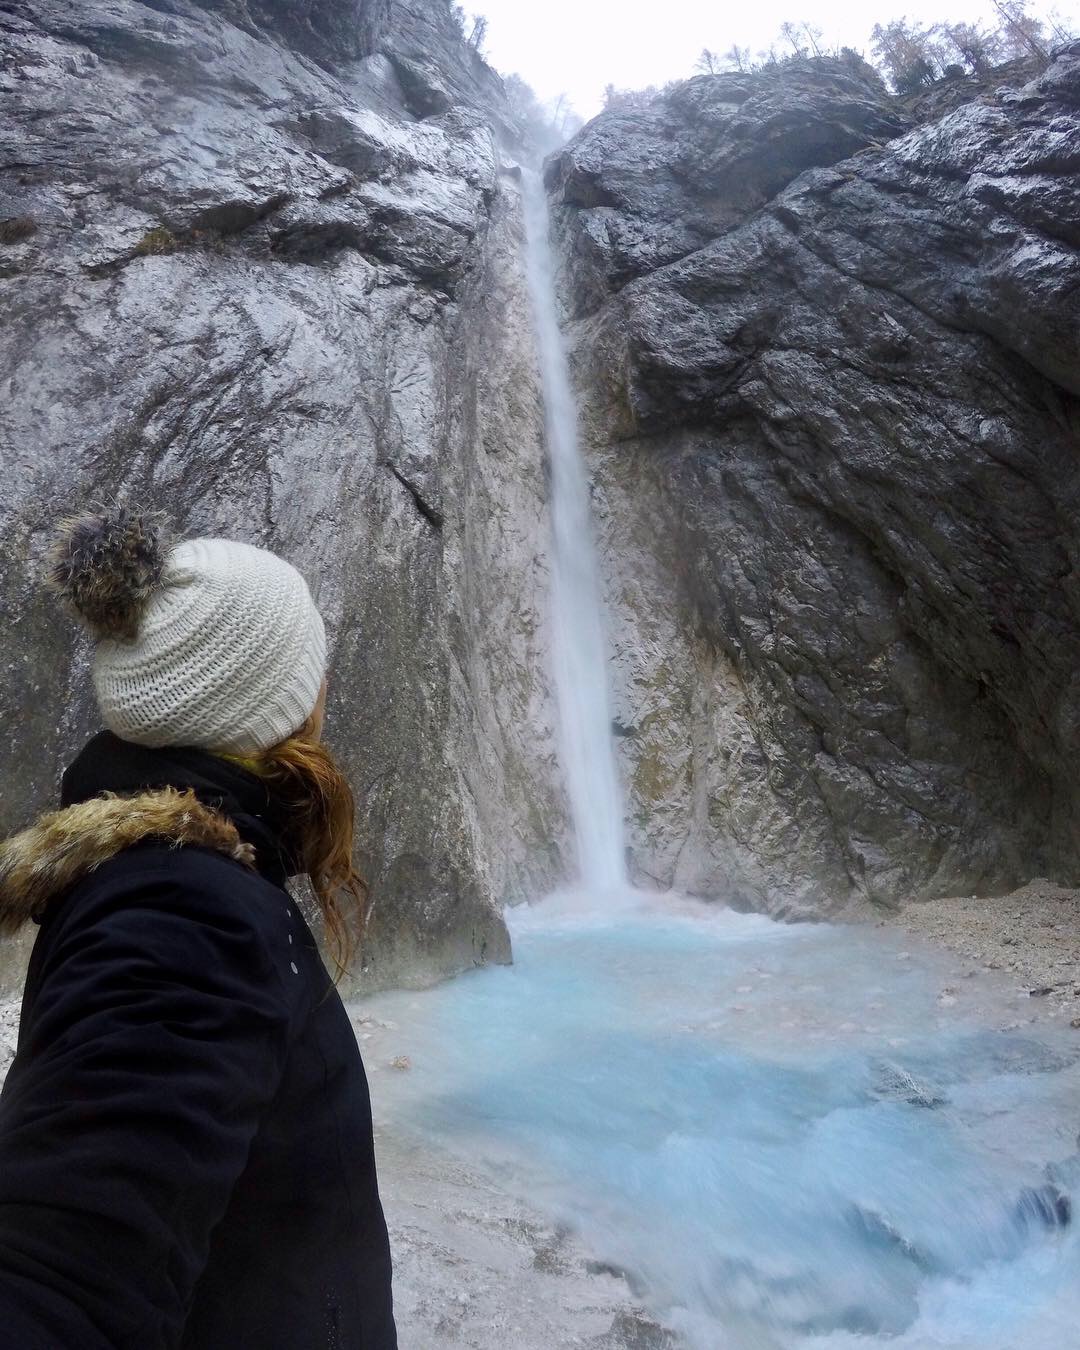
(186, 1155)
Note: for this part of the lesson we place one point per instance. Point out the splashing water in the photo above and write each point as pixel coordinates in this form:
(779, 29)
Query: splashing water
(788, 1137)
(579, 655)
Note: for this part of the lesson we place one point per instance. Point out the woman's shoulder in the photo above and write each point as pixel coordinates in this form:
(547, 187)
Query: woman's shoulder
(84, 847)
(157, 877)
(157, 917)
(198, 879)
(183, 908)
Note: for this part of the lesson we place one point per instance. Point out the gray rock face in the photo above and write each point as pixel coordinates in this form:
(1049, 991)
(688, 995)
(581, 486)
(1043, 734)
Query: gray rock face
(328, 30)
(261, 293)
(655, 184)
(261, 265)
(832, 402)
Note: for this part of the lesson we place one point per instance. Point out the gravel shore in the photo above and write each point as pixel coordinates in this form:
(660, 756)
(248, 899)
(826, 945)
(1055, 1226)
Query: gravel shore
(476, 1268)
(1029, 938)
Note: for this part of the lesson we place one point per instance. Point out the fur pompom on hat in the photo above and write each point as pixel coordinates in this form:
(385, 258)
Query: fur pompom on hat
(106, 568)
(204, 642)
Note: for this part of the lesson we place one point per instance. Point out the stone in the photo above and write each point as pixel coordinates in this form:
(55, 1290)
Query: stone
(654, 184)
(261, 294)
(262, 266)
(827, 354)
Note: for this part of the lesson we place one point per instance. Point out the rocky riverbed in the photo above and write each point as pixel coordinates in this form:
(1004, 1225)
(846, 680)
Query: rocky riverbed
(476, 1266)
(1030, 937)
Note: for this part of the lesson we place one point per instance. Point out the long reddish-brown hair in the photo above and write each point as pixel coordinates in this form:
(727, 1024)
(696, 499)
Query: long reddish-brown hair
(304, 775)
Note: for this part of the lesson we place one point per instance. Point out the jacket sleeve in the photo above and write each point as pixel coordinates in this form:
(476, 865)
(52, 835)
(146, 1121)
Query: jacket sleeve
(157, 1034)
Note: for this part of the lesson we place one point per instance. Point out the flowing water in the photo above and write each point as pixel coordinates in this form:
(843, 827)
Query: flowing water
(793, 1136)
(578, 654)
(787, 1137)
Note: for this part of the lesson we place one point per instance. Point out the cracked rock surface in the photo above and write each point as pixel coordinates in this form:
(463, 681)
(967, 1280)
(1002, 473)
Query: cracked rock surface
(283, 298)
(828, 355)
(261, 265)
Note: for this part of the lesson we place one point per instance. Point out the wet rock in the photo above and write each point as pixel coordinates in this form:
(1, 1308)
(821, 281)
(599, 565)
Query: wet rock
(877, 1230)
(328, 30)
(892, 1082)
(654, 184)
(635, 1330)
(1044, 1207)
(259, 293)
(831, 398)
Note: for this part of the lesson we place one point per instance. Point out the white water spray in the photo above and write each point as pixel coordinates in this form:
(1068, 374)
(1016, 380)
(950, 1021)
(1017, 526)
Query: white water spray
(580, 657)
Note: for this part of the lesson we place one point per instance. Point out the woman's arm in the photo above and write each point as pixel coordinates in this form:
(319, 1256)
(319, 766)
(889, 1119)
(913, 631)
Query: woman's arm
(156, 1036)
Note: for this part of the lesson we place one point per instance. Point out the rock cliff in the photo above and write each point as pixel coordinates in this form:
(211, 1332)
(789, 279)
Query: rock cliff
(260, 264)
(829, 352)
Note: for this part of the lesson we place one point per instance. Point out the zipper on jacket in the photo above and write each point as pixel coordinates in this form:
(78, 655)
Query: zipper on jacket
(333, 1341)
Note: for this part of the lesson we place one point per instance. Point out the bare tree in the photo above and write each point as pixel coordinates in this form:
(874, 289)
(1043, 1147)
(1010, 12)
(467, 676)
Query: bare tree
(791, 33)
(478, 33)
(708, 63)
(1021, 32)
(812, 35)
(978, 48)
(909, 55)
(737, 58)
(1064, 30)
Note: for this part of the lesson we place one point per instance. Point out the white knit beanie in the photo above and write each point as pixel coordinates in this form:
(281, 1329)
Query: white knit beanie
(209, 642)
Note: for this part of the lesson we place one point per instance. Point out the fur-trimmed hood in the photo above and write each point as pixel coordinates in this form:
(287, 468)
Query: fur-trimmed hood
(63, 846)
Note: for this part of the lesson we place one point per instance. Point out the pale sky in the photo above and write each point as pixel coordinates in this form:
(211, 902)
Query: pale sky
(579, 46)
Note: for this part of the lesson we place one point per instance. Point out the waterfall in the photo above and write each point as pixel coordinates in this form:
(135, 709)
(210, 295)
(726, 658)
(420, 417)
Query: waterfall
(579, 650)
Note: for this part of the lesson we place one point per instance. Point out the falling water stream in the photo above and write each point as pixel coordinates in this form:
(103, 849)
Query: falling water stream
(579, 654)
(788, 1137)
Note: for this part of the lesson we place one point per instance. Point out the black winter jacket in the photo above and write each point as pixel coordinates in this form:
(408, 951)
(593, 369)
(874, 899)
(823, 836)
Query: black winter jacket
(186, 1156)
